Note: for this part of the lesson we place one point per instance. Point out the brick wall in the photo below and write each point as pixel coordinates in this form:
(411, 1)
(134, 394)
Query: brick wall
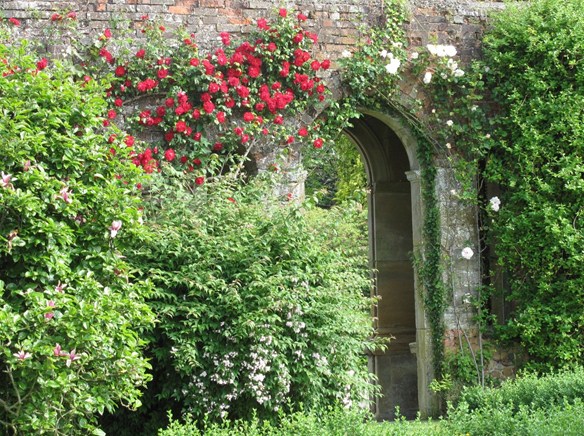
(445, 21)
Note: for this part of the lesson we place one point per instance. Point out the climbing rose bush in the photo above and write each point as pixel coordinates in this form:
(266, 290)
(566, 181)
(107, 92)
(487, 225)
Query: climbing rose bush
(71, 315)
(208, 103)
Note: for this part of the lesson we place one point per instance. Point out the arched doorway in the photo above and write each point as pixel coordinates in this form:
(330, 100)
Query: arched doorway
(404, 370)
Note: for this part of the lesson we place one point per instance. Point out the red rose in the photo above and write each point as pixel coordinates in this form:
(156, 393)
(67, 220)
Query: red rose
(248, 117)
(14, 21)
(318, 143)
(263, 24)
(197, 136)
(111, 114)
(197, 161)
(208, 107)
(283, 13)
(107, 33)
(168, 136)
(129, 141)
(298, 38)
(315, 65)
(272, 47)
(301, 17)
(303, 132)
(217, 146)
(42, 64)
(180, 126)
(120, 71)
(140, 53)
(162, 74)
(221, 117)
(213, 87)
(225, 39)
(199, 180)
(325, 65)
(169, 102)
(196, 114)
(56, 17)
(118, 102)
(169, 155)
(183, 159)
(194, 62)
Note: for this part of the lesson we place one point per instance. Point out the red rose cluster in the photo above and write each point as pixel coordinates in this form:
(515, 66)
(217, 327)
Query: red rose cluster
(212, 103)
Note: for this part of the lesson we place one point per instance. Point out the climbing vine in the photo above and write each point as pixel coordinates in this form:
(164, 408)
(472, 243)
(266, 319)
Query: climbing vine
(372, 74)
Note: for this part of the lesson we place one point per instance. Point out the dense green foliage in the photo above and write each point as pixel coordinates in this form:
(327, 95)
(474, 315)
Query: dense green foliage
(336, 174)
(70, 311)
(536, 60)
(551, 405)
(262, 305)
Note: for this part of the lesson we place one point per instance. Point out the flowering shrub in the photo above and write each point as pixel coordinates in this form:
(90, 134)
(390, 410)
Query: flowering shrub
(261, 307)
(207, 104)
(70, 312)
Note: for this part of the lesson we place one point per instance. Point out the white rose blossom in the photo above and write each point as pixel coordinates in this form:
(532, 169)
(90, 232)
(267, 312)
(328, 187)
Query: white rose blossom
(467, 253)
(393, 65)
(427, 77)
(495, 203)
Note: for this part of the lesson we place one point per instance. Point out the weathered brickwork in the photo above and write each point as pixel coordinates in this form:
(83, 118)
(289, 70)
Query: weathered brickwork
(336, 21)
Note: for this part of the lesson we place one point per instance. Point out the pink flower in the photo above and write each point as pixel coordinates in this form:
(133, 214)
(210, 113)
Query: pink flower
(107, 33)
(65, 195)
(60, 287)
(14, 21)
(5, 182)
(72, 356)
(57, 352)
(22, 355)
(115, 228)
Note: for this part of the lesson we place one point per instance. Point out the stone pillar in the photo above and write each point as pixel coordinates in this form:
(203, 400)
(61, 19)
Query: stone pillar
(462, 276)
(427, 400)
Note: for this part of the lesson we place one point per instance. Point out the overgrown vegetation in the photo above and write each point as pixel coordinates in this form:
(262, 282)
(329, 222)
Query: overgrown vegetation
(263, 306)
(526, 406)
(71, 313)
(516, 117)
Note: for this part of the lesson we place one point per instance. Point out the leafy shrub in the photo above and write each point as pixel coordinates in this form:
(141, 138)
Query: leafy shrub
(534, 53)
(551, 404)
(70, 313)
(263, 305)
(530, 390)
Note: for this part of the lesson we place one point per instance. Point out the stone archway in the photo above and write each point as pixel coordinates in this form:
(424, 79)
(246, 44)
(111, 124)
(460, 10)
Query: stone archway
(395, 216)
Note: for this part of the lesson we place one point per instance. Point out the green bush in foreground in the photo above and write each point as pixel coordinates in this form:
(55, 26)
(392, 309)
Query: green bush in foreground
(263, 304)
(70, 312)
(527, 406)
